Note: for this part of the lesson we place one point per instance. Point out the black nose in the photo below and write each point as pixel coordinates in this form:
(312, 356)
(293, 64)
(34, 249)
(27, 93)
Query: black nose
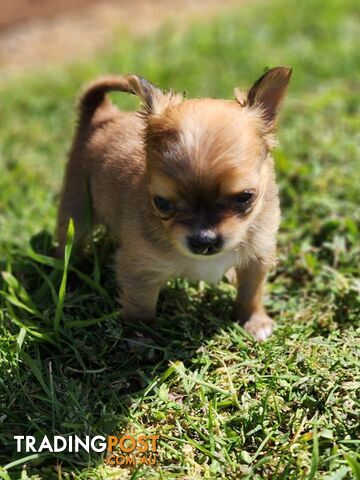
(205, 242)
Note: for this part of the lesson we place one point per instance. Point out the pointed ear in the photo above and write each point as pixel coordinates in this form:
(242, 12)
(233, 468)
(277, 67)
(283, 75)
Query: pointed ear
(154, 100)
(268, 92)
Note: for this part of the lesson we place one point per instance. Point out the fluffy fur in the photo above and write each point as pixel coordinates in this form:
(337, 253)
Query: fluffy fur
(209, 159)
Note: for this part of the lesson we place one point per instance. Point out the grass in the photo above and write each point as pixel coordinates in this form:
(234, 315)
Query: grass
(224, 406)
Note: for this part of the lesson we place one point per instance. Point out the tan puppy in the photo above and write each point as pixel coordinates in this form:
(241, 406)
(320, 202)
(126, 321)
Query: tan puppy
(185, 187)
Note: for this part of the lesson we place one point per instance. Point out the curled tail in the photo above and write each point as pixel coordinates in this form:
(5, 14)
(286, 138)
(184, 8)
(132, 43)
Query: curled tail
(154, 100)
(95, 93)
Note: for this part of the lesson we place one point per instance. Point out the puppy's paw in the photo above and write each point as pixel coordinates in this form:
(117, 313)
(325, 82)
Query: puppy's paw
(260, 326)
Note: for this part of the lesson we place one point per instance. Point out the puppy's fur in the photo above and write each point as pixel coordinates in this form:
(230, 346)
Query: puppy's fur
(185, 187)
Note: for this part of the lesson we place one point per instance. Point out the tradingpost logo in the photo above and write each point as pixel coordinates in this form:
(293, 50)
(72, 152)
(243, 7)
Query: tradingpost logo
(126, 450)
(131, 450)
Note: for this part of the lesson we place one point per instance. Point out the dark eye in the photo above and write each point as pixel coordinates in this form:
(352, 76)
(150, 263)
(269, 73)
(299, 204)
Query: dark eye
(244, 197)
(164, 205)
(242, 201)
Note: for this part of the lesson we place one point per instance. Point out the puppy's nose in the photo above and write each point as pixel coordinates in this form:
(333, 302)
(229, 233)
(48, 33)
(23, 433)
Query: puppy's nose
(205, 242)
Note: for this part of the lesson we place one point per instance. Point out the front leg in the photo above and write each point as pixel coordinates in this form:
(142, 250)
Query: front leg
(139, 287)
(250, 310)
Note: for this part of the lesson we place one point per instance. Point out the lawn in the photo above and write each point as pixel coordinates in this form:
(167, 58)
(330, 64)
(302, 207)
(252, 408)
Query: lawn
(224, 406)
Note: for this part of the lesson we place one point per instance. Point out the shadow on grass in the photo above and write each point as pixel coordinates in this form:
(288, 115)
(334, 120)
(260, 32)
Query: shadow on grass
(81, 377)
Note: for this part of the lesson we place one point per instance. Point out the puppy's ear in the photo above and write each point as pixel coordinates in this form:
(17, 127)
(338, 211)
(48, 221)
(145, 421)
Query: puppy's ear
(154, 100)
(268, 92)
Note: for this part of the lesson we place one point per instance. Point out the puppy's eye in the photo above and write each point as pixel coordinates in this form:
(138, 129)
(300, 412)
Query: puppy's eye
(242, 201)
(244, 198)
(163, 205)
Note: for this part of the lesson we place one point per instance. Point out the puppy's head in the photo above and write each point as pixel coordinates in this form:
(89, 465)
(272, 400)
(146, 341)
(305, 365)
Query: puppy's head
(208, 162)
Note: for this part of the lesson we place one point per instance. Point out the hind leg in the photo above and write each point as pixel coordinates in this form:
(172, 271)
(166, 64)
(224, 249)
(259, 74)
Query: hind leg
(74, 203)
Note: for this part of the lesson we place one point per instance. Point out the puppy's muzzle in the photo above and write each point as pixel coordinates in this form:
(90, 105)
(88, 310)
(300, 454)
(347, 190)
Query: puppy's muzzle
(205, 242)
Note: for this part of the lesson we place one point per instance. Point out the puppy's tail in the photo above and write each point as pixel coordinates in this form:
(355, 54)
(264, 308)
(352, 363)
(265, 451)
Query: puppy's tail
(95, 93)
(154, 100)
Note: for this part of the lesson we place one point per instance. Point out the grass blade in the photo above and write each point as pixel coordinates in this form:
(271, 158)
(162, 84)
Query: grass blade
(67, 254)
(315, 456)
(354, 465)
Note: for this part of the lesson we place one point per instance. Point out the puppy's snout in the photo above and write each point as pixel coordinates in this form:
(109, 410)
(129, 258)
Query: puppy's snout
(205, 242)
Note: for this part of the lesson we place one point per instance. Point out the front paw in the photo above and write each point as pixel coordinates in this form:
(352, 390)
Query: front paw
(260, 326)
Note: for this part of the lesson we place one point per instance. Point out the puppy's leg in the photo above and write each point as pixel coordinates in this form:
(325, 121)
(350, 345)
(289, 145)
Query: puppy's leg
(75, 204)
(250, 310)
(139, 287)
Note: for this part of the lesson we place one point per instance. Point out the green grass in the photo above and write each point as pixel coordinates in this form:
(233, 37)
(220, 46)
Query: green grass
(224, 406)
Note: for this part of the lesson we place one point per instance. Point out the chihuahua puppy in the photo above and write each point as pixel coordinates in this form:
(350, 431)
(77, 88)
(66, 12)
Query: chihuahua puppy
(185, 188)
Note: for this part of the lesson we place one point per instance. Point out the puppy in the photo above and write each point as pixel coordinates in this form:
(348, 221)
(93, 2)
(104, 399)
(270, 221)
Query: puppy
(185, 188)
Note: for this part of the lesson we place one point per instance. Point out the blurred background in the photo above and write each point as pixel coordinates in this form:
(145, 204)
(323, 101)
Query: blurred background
(33, 32)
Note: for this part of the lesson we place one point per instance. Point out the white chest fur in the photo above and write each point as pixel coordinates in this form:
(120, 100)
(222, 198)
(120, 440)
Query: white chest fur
(209, 269)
